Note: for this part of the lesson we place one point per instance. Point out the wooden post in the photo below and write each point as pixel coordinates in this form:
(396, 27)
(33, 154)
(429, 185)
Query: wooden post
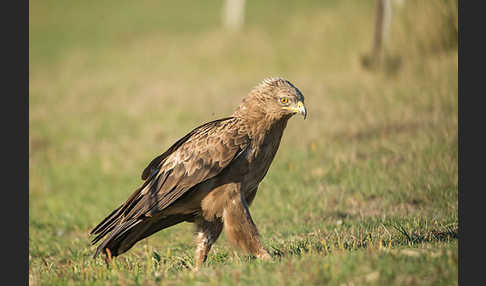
(233, 14)
(380, 29)
(382, 33)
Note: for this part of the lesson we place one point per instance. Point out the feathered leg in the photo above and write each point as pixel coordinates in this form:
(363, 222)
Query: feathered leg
(240, 229)
(206, 234)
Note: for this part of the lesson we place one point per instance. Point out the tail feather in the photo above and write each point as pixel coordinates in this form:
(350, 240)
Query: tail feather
(125, 228)
(117, 216)
(126, 234)
(109, 219)
(118, 238)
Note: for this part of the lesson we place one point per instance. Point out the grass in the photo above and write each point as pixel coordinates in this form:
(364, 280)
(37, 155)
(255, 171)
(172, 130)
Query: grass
(363, 192)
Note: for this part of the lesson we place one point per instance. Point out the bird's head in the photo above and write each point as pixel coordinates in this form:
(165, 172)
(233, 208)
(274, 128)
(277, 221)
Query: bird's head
(276, 98)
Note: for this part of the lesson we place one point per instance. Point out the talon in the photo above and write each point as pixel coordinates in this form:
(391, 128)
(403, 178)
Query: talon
(264, 255)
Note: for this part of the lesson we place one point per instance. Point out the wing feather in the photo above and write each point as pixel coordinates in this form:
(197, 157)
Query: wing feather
(198, 156)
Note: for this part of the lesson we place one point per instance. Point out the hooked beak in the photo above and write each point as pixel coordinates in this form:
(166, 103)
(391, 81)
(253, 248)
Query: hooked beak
(301, 109)
(298, 108)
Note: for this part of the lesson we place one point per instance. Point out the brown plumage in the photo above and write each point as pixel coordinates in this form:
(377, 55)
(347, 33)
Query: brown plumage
(208, 177)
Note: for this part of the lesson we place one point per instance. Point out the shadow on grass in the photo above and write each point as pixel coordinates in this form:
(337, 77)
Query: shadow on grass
(337, 243)
(434, 235)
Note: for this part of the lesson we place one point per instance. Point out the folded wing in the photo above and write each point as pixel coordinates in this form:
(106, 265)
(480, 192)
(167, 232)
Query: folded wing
(200, 155)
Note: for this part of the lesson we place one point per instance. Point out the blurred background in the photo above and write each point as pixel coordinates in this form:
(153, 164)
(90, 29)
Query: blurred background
(115, 83)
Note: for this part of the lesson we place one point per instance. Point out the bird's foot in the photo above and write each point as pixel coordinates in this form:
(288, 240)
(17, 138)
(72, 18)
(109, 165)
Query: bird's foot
(264, 255)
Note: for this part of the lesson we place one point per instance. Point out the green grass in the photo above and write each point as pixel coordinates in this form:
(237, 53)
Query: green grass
(363, 192)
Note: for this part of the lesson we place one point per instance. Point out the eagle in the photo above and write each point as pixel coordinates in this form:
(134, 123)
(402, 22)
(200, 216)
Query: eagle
(209, 177)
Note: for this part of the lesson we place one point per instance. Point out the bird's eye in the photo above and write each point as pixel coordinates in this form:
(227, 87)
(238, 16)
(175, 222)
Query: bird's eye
(284, 100)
